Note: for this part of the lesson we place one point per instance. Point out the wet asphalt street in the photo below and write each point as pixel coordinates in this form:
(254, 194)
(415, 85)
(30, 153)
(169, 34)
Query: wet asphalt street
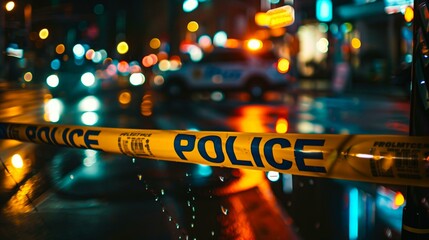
(60, 193)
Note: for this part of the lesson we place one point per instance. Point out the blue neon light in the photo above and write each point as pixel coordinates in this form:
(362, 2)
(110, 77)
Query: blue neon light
(324, 10)
(353, 214)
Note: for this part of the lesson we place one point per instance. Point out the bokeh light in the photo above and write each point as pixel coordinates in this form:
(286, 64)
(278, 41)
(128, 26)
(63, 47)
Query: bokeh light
(60, 49)
(78, 51)
(195, 53)
(88, 79)
(322, 45)
(346, 27)
(189, 5)
(220, 38)
(89, 55)
(273, 176)
(10, 6)
(356, 43)
(162, 55)
(123, 67)
(262, 19)
(323, 27)
(98, 57)
(408, 14)
(17, 161)
(158, 80)
(254, 44)
(134, 67)
(53, 110)
(155, 43)
(55, 64)
(164, 65)
(111, 69)
(147, 105)
(399, 199)
(175, 62)
(53, 81)
(192, 26)
(44, 33)
(89, 104)
(217, 96)
(103, 54)
(283, 65)
(149, 60)
(205, 41)
(124, 97)
(122, 47)
(89, 118)
(282, 125)
(28, 76)
(137, 79)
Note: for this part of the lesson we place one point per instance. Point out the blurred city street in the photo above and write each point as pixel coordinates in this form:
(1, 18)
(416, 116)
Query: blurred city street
(322, 69)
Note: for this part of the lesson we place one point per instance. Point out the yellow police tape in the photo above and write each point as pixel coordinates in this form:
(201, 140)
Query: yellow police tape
(383, 159)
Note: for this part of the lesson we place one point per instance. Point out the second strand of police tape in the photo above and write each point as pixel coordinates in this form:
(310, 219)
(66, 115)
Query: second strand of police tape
(385, 159)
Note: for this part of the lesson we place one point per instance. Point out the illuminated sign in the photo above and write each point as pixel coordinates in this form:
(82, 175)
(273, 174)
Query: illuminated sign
(396, 6)
(281, 17)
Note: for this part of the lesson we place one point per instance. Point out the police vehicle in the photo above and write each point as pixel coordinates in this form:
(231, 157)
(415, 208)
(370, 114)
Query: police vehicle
(225, 69)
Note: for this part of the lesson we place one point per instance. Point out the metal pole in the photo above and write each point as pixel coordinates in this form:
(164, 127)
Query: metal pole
(415, 219)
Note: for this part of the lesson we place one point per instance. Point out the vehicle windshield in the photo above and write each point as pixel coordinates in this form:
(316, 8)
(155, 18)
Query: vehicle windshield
(234, 112)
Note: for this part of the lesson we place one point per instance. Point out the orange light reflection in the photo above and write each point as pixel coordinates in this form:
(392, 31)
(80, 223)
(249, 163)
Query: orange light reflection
(124, 97)
(249, 179)
(17, 164)
(250, 120)
(259, 119)
(254, 207)
(147, 105)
